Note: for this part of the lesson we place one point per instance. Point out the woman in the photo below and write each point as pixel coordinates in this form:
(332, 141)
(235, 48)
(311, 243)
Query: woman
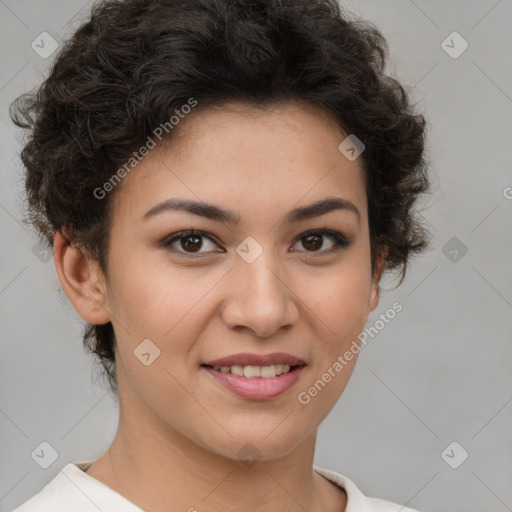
(223, 184)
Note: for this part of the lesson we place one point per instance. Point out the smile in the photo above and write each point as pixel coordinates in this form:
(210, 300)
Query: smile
(251, 372)
(256, 376)
(255, 387)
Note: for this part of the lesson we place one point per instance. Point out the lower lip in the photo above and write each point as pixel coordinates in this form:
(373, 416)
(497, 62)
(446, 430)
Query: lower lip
(257, 388)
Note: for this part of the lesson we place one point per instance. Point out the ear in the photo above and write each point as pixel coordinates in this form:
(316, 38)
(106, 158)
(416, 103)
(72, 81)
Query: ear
(82, 281)
(377, 274)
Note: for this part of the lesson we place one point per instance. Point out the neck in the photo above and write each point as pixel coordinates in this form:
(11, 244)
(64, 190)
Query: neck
(159, 469)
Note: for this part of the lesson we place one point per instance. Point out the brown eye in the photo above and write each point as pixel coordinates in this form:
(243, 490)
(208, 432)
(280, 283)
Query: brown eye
(314, 240)
(190, 242)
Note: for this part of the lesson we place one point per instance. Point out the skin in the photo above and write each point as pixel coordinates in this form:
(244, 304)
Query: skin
(176, 423)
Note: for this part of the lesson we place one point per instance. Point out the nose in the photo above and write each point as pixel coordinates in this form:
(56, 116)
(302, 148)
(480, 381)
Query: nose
(259, 297)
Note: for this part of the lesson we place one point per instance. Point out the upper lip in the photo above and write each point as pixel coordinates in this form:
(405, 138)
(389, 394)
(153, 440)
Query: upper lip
(247, 359)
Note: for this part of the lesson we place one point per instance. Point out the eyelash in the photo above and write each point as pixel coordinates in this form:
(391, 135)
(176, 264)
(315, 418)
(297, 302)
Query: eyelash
(340, 242)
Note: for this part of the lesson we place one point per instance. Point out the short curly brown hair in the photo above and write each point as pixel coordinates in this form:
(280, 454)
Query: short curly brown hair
(135, 62)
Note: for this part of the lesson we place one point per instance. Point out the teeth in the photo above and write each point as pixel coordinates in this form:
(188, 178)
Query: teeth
(251, 372)
(268, 371)
(237, 370)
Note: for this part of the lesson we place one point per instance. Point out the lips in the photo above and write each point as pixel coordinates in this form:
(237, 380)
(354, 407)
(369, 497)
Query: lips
(247, 359)
(239, 373)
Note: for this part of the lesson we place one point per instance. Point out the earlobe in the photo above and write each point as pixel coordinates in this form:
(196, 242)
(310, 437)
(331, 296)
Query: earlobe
(377, 274)
(374, 296)
(81, 280)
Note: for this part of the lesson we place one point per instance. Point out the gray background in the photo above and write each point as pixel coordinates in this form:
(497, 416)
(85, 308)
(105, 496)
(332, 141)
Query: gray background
(440, 372)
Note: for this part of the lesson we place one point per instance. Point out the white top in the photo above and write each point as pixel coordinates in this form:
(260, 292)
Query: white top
(74, 490)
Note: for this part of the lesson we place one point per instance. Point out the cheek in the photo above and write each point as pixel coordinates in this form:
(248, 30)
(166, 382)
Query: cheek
(172, 313)
(340, 298)
(152, 300)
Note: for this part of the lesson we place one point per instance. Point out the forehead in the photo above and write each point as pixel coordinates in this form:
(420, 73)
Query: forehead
(254, 161)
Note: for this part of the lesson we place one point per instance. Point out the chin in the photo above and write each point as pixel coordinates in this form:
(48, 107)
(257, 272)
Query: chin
(252, 447)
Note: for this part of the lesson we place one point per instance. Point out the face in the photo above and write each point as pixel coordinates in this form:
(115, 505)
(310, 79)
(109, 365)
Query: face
(272, 279)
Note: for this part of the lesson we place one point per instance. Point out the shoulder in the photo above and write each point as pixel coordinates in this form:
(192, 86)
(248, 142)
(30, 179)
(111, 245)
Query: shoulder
(356, 500)
(73, 489)
(65, 491)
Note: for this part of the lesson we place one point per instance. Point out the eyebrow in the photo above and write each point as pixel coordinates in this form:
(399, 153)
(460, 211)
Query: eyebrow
(215, 213)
